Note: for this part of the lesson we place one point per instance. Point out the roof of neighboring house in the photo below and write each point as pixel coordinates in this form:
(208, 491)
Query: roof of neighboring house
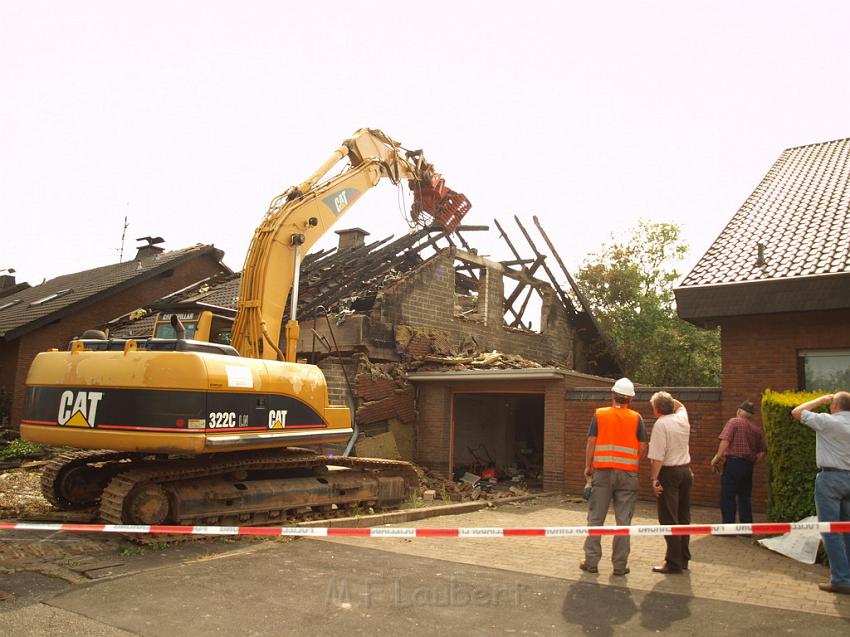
(796, 224)
(13, 289)
(33, 307)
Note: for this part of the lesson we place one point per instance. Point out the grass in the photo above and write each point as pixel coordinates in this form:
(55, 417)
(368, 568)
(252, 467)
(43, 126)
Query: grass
(131, 550)
(157, 546)
(20, 449)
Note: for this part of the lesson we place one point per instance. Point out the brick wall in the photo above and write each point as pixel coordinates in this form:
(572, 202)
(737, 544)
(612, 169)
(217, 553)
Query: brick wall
(426, 300)
(433, 426)
(332, 368)
(8, 367)
(706, 423)
(760, 352)
(58, 334)
(554, 436)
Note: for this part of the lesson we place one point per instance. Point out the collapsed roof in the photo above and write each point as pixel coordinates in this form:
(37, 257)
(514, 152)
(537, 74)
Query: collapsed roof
(349, 280)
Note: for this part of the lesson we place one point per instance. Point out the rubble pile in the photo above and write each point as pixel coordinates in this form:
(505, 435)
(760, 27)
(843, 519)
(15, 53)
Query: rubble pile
(20, 492)
(437, 489)
(429, 350)
(489, 360)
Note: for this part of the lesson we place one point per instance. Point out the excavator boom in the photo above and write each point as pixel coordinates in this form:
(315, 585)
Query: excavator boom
(297, 218)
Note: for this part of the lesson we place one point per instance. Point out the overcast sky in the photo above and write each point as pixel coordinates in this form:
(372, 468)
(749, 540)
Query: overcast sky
(188, 117)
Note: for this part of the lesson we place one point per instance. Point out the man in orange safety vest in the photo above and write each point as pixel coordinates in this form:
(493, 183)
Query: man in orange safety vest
(616, 441)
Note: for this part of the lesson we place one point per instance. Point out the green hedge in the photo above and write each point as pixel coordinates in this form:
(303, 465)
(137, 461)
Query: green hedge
(791, 457)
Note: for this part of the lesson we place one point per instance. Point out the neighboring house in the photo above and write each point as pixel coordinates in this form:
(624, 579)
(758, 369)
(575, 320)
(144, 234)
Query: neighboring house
(34, 319)
(777, 280)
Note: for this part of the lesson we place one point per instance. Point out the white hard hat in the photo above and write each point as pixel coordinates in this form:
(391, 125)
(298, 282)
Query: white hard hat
(624, 387)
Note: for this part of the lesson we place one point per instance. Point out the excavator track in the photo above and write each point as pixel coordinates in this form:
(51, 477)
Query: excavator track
(253, 489)
(75, 479)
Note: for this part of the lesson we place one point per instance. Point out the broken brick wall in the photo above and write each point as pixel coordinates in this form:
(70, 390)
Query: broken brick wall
(425, 300)
(384, 402)
(386, 408)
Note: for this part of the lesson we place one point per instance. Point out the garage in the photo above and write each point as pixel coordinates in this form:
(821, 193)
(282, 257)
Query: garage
(499, 437)
(510, 419)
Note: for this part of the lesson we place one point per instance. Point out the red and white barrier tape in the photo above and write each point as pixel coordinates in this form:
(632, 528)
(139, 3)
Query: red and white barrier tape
(759, 528)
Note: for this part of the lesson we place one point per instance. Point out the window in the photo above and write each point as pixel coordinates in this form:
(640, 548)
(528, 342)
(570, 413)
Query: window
(470, 298)
(50, 297)
(10, 304)
(164, 330)
(824, 370)
(221, 330)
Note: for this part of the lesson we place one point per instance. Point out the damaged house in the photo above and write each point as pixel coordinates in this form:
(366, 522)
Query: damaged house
(446, 357)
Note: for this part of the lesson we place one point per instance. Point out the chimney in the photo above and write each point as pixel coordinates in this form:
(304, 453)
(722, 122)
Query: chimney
(7, 280)
(351, 239)
(149, 250)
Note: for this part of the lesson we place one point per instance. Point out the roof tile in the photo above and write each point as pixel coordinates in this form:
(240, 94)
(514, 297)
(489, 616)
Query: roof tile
(800, 213)
(82, 285)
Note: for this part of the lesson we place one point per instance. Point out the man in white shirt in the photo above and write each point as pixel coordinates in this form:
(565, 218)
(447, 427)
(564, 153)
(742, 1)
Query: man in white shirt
(832, 485)
(671, 476)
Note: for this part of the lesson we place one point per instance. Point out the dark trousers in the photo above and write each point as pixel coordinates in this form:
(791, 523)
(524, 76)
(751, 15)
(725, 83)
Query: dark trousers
(674, 507)
(736, 488)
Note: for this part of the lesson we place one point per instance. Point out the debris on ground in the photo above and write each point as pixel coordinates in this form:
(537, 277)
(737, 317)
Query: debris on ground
(21, 498)
(20, 493)
(469, 488)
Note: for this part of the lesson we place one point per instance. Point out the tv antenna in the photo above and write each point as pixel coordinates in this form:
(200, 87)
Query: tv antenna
(123, 235)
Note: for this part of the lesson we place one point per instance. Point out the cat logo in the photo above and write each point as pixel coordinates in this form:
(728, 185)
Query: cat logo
(277, 418)
(78, 409)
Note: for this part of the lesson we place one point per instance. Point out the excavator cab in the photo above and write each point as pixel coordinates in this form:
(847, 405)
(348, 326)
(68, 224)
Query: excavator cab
(200, 325)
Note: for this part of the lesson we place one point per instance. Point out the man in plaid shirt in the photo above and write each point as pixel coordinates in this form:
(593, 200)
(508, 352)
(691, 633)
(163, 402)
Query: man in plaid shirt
(742, 444)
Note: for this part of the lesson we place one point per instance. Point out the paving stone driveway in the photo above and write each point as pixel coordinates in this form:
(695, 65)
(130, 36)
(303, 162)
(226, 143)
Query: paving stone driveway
(732, 569)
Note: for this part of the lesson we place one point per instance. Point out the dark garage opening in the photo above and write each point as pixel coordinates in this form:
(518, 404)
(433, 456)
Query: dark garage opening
(501, 436)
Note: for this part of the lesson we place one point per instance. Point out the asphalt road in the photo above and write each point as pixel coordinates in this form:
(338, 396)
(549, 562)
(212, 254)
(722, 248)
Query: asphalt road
(308, 587)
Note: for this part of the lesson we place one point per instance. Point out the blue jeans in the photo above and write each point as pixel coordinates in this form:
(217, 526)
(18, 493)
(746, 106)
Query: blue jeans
(736, 488)
(832, 499)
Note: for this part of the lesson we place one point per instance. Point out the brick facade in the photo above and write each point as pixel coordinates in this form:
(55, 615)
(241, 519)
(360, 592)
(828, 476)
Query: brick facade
(433, 430)
(335, 371)
(568, 409)
(704, 410)
(17, 355)
(760, 352)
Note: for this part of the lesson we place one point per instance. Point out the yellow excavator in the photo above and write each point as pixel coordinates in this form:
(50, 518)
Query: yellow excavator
(186, 431)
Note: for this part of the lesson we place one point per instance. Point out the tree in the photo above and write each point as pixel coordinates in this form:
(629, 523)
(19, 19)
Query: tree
(629, 286)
